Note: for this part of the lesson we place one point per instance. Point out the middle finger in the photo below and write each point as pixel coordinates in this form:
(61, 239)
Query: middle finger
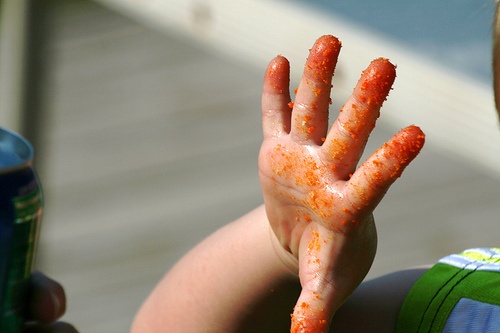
(310, 110)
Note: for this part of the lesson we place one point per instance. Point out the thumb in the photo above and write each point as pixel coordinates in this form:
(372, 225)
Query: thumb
(331, 266)
(314, 308)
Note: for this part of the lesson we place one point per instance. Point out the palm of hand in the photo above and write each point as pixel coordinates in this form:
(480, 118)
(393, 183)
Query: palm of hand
(306, 190)
(319, 207)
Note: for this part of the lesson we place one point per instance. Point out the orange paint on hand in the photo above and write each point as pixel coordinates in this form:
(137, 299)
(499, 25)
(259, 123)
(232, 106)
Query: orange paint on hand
(323, 58)
(277, 75)
(297, 166)
(405, 146)
(338, 149)
(368, 96)
(315, 244)
(386, 165)
(377, 81)
(305, 173)
(304, 322)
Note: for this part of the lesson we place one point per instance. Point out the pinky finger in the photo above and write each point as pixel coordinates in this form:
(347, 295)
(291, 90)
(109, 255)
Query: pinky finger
(374, 177)
(276, 111)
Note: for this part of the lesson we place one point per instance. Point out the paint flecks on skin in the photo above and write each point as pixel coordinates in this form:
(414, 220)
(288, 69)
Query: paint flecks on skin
(277, 73)
(317, 183)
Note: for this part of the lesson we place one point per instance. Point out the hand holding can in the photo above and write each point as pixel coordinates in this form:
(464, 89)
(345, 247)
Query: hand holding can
(21, 207)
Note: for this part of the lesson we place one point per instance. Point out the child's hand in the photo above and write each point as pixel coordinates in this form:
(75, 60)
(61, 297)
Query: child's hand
(319, 205)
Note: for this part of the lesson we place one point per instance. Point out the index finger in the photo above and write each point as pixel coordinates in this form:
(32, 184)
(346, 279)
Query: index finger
(310, 108)
(373, 178)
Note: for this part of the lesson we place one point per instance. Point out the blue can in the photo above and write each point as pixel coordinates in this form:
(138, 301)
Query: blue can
(21, 207)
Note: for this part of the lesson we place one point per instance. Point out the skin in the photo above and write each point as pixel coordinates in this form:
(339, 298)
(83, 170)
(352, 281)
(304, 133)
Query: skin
(311, 244)
(47, 303)
(374, 305)
(319, 203)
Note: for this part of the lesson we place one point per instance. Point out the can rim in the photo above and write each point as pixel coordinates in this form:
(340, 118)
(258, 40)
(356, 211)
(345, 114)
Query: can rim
(19, 151)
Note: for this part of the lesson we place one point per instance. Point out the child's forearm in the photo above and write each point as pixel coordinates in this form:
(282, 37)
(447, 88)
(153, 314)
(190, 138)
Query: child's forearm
(230, 282)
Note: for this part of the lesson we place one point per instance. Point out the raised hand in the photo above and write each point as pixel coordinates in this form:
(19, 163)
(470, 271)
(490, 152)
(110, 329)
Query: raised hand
(319, 203)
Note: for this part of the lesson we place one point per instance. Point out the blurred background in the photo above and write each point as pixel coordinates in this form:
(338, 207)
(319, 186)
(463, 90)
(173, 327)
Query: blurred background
(146, 121)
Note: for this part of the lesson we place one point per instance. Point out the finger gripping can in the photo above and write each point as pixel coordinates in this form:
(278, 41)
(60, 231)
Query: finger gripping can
(20, 213)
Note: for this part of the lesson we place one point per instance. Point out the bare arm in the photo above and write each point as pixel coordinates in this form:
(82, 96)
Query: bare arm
(227, 300)
(231, 282)
(318, 203)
